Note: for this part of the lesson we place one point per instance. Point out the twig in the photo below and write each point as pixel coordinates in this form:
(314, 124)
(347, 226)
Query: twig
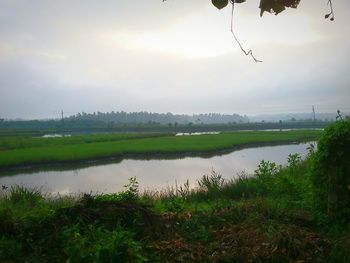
(249, 52)
(331, 13)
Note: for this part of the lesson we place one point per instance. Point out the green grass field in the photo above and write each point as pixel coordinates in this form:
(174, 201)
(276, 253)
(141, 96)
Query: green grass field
(30, 151)
(20, 142)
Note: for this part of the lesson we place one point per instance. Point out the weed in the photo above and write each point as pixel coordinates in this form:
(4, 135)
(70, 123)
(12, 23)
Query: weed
(20, 194)
(211, 183)
(184, 190)
(293, 160)
(99, 245)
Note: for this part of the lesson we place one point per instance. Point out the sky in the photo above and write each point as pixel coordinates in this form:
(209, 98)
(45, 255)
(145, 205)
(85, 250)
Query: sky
(176, 56)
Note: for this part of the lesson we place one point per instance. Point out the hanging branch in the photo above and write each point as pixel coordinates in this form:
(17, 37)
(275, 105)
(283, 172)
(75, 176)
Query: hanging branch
(271, 6)
(249, 52)
(331, 13)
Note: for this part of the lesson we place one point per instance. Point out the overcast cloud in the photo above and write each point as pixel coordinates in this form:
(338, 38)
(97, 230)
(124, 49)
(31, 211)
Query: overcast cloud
(177, 56)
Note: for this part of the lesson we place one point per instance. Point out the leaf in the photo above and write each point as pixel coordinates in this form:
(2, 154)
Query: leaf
(276, 6)
(220, 4)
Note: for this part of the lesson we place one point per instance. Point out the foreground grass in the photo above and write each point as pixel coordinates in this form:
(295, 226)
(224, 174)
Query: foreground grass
(41, 151)
(266, 218)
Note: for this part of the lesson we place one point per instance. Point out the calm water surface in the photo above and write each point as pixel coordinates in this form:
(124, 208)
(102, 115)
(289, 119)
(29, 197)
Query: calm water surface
(152, 174)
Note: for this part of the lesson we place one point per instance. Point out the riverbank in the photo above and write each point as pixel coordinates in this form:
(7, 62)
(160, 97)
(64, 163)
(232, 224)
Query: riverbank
(266, 218)
(43, 151)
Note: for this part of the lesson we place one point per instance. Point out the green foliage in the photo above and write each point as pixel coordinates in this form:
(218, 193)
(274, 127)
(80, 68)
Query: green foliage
(174, 204)
(293, 160)
(331, 170)
(99, 245)
(132, 189)
(243, 187)
(129, 195)
(267, 169)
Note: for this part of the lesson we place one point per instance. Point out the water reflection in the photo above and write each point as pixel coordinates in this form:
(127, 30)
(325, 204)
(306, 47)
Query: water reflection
(151, 174)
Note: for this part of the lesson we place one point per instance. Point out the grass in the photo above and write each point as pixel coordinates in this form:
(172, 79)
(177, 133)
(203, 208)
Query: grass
(24, 151)
(23, 142)
(269, 217)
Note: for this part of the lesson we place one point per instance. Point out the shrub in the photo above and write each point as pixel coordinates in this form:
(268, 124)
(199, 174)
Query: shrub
(331, 170)
(267, 169)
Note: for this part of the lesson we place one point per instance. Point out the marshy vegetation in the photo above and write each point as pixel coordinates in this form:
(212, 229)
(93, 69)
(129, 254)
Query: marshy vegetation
(273, 216)
(19, 151)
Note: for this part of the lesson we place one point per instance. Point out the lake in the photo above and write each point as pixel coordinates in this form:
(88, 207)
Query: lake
(152, 174)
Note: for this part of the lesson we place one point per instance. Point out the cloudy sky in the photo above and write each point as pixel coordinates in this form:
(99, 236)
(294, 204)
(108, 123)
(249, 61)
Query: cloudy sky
(177, 56)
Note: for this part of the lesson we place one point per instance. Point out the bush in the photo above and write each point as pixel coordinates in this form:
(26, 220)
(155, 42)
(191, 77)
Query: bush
(267, 169)
(331, 170)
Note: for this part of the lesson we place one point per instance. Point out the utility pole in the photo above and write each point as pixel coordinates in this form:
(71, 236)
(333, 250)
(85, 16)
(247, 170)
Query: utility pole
(62, 118)
(313, 113)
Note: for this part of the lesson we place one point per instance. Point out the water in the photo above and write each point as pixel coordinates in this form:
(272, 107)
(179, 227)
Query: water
(55, 135)
(194, 133)
(154, 174)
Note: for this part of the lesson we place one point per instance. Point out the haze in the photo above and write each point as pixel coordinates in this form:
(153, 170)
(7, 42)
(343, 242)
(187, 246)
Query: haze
(178, 56)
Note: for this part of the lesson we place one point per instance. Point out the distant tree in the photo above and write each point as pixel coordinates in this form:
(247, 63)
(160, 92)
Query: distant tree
(150, 118)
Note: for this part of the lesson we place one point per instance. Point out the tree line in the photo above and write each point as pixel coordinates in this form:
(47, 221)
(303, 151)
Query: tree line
(144, 117)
